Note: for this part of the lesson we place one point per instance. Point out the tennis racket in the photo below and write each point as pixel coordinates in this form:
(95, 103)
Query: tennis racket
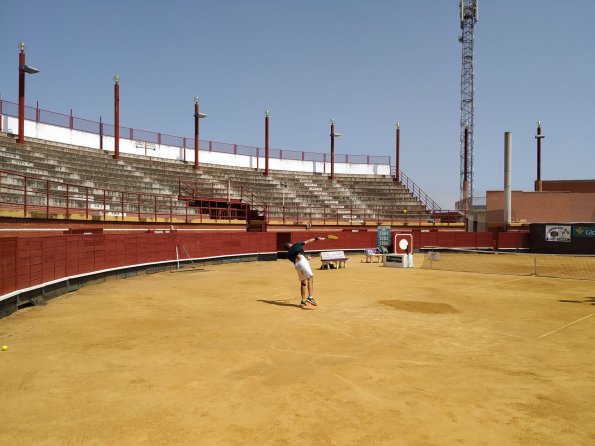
(332, 237)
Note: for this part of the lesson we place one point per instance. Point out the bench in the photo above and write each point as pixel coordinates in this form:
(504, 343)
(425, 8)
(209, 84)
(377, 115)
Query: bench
(333, 259)
(372, 254)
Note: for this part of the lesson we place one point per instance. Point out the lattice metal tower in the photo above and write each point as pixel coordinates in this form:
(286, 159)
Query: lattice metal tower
(468, 11)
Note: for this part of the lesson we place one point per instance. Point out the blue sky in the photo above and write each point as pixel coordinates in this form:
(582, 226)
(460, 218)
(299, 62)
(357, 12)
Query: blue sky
(365, 64)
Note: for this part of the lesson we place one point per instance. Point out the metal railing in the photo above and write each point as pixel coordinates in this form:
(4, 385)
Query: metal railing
(100, 128)
(416, 191)
(38, 115)
(33, 197)
(359, 216)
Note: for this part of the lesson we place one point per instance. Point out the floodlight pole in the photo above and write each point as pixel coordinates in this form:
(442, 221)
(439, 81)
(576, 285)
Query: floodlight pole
(23, 69)
(539, 137)
(21, 139)
(466, 176)
(116, 117)
(197, 116)
(466, 169)
(266, 144)
(398, 166)
(196, 144)
(332, 149)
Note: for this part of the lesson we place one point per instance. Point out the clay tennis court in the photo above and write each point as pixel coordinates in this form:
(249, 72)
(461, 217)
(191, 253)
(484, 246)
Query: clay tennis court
(225, 356)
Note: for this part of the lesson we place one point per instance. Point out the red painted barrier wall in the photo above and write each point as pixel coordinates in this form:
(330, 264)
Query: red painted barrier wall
(8, 249)
(30, 261)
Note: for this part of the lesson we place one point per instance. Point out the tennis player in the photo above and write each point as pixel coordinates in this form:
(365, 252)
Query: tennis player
(296, 255)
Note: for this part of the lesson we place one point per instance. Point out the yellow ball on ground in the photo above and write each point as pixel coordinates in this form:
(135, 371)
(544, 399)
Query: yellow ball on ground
(4, 348)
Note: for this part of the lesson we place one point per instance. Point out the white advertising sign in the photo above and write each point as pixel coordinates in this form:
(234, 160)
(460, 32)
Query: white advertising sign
(557, 233)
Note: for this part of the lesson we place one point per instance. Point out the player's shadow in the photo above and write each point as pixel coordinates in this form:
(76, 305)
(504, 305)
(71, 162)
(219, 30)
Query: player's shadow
(281, 303)
(586, 300)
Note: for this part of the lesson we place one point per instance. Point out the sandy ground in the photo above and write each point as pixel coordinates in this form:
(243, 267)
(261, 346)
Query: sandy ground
(225, 356)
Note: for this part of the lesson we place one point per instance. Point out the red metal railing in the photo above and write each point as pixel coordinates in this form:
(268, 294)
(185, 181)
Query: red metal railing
(43, 198)
(417, 192)
(70, 121)
(36, 197)
(358, 215)
(100, 128)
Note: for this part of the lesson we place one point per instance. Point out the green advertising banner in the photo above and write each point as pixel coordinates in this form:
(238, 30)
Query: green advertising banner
(583, 231)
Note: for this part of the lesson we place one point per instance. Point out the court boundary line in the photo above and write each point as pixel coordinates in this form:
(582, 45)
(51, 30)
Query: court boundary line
(564, 326)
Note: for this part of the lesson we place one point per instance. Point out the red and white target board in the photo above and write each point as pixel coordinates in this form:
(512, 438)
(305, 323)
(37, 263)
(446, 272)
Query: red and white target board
(403, 244)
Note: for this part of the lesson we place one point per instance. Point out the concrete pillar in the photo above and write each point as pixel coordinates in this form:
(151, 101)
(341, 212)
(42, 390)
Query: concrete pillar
(507, 179)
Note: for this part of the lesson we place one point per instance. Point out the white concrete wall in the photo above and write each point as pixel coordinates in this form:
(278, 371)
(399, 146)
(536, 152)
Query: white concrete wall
(91, 140)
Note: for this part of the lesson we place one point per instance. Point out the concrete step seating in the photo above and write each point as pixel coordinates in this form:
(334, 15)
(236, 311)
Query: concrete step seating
(135, 173)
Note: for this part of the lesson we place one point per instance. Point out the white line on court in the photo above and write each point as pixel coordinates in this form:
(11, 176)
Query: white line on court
(495, 283)
(313, 353)
(564, 326)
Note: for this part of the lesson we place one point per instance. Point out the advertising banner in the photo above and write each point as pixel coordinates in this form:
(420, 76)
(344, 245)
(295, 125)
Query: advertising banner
(557, 233)
(583, 231)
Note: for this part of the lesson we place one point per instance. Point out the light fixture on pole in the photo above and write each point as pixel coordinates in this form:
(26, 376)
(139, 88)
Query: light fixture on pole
(333, 136)
(116, 116)
(23, 68)
(539, 137)
(197, 116)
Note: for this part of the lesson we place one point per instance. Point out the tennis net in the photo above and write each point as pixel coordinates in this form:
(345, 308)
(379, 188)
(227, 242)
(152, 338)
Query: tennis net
(513, 263)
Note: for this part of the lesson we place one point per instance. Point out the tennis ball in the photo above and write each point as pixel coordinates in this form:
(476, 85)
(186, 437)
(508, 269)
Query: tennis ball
(404, 211)
(4, 348)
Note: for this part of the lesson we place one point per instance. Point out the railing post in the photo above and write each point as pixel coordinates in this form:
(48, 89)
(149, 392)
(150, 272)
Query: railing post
(138, 201)
(25, 197)
(71, 121)
(122, 208)
(47, 199)
(171, 205)
(67, 200)
(86, 202)
(155, 207)
(104, 205)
